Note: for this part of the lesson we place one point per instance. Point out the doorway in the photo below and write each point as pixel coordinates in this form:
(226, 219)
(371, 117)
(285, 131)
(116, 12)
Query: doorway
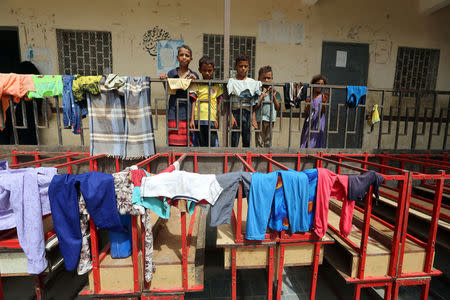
(345, 64)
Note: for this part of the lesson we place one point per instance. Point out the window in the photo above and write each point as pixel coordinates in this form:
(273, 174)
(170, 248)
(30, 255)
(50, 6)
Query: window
(84, 52)
(416, 69)
(213, 47)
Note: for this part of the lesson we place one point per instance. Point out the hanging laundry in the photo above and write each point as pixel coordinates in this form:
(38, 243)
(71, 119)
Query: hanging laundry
(292, 206)
(3, 165)
(99, 195)
(229, 182)
(178, 84)
(121, 125)
(294, 93)
(46, 86)
(356, 95)
(115, 82)
(358, 185)
(84, 85)
(73, 111)
(124, 188)
(84, 263)
(375, 116)
(182, 185)
(14, 85)
(279, 219)
(329, 185)
(23, 202)
(160, 207)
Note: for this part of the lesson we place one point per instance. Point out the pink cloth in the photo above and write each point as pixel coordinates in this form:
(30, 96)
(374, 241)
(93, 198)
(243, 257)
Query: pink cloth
(329, 185)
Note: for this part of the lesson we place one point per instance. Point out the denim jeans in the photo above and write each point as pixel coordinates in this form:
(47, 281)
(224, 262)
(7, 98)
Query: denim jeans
(245, 129)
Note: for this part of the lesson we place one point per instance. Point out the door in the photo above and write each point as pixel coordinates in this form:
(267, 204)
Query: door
(345, 64)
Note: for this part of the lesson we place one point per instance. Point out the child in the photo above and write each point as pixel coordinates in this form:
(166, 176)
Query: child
(265, 109)
(316, 139)
(179, 137)
(205, 112)
(243, 92)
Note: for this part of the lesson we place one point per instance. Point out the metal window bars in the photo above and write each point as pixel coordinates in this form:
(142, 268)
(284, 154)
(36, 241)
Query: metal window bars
(419, 122)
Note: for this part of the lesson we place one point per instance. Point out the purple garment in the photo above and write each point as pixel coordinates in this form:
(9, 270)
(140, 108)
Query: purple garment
(317, 139)
(23, 202)
(3, 165)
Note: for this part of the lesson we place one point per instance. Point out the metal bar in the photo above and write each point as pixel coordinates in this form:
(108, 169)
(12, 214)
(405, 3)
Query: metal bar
(270, 275)
(425, 291)
(444, 144)
(365, 233)
(184, 250)
(434, 225)
(398, 120)
(271, 161)
(134, 237)
(58, 121)
(233, 273)
(79, 161)
(380, 129)
(315, 269)
(280, 271)
(398, 225)
(357, 292)
(36, 121)
(239, 235)
(13, 120)
(404, 227)
(245, 163)
(148, 160)
(43, 160)
(430, 136)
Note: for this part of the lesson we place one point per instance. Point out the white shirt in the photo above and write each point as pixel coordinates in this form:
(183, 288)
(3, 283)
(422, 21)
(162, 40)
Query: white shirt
(182, 185)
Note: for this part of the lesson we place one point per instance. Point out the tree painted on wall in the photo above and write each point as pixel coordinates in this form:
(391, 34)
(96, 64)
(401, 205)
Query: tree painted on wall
(151, 38)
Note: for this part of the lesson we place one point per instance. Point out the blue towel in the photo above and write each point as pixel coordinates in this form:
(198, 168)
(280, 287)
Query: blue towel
(100, 197)
(356, 95)
(262, 191)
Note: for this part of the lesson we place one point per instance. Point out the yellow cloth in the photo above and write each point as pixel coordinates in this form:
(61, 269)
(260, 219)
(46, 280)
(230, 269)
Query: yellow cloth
(85, 84)
(375, 115)
(178, 84)
(200, 93)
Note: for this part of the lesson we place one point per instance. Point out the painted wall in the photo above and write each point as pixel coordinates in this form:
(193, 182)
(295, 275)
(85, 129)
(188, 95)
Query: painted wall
(384, 24)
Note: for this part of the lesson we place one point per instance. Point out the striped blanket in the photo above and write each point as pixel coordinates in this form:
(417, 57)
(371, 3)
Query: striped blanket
(121, 121)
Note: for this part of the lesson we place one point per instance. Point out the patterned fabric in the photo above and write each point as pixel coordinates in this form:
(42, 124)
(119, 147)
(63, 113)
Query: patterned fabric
(149, 267)
(84, 264)
(124, 192)
(46, 85)
(121, 125)
(82, 85)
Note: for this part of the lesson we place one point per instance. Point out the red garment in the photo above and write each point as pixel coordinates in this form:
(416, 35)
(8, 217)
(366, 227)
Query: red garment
(136, 177)
(329, 185)
(178, 137)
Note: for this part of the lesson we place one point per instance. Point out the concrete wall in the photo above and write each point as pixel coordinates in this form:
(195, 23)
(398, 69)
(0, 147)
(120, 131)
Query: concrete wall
(384, 25)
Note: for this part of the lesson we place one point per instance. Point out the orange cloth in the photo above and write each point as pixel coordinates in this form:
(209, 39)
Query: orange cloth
(15, 85)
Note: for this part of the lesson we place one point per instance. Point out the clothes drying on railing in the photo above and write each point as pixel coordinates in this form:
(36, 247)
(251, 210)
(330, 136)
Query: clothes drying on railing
(221, 210)
(182, 185)
(314, 121)
(23, 201)
(121, 124)
(15, 85)
(294, 93)
(99, 195)
(289, 209)
(356, 95)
